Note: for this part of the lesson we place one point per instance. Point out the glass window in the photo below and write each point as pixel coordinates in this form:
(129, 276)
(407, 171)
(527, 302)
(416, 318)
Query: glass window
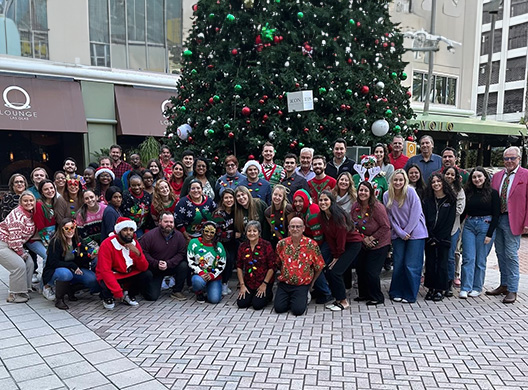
(517, 36)
(494, 73)
(31, 19)
(155, 33)
(417, 88)
(451, 91)
(117, 21)
(440, 92)
(513, 100)
(485, 45)
(136, 20)
(443, 90)
(492, 103)
(515, 69)
(518, 7)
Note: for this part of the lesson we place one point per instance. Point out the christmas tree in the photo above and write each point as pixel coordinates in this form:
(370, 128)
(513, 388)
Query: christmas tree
(245, 58)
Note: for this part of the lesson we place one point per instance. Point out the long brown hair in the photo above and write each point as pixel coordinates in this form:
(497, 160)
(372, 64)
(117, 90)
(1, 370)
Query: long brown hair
(239, 210)
(59, 236)
(157, 202)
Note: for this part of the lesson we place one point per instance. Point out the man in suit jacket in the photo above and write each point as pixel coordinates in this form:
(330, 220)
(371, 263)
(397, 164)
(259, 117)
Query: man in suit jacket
(512, 185)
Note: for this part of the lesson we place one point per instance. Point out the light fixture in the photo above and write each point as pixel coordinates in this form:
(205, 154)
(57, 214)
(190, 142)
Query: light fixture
(45, 157)
(11, 157)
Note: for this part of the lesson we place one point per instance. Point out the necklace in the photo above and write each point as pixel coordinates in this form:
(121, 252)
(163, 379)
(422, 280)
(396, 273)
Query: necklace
(277, 224)
(361, 218)
(252, 256)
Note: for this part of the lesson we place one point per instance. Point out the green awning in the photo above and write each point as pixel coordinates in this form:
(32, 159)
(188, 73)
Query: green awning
(456, 124)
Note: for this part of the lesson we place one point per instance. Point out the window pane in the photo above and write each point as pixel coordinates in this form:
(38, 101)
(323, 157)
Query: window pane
(117, 21)
(98, 14)
(517, 36)
(22, 16)
(451, 91)
(440, 94)
(518, 7)
(40, 15)
(136, 20)
(155, 21)
(156, 56)
(515, 69)
(119, 56)
(137, 57)
(40, 43)
(513, 100)
(417, 93)
(174, 34)
(492, 103)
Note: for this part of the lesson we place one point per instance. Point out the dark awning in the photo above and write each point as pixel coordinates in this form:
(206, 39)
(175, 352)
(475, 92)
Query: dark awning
(33, 104)
(140, 111)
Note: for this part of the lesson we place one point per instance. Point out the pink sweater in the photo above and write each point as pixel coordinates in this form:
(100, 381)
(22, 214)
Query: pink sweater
(17, 229)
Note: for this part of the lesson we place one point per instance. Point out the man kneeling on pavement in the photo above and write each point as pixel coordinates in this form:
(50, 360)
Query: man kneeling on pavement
(122, 269)
(166, 253)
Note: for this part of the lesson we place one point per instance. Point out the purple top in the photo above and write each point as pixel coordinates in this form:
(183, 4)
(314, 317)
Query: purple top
(408, 219)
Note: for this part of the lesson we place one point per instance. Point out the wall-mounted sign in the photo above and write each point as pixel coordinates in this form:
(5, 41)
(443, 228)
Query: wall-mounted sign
(300, 101)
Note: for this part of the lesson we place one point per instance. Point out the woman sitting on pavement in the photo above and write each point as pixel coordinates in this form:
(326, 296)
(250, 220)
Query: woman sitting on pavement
(68, 263)
(255, 269)
(207, 259)
(15, 230)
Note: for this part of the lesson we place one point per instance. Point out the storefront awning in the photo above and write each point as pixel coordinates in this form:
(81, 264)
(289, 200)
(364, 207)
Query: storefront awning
(454, 124)
(33, 104)
(140, 111)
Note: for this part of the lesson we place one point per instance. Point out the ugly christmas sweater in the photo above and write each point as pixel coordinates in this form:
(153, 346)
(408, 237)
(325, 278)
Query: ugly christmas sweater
(206, 258)
(137, 208)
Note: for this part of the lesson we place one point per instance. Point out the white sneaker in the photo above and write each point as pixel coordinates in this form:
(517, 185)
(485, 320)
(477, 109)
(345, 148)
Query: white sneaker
(463, 295)
(474, 294)
(109, 303)
(48, 293)
(128, 300)
(35, 279)
(226, 290)
(309, 298)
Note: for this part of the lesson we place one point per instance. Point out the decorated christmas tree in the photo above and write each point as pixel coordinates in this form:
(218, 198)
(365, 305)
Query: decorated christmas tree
(245, 61)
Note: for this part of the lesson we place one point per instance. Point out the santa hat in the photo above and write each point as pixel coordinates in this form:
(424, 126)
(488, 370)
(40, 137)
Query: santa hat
(252, 163)
(104, 170)
(124, 222)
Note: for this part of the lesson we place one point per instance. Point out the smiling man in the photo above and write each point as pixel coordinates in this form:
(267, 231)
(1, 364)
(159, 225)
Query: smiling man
(397, 158)
(340, 163)
(426, 160)
(512, 185)
(321, 181)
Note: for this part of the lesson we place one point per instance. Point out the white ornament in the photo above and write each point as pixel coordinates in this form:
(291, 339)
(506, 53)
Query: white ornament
(380, 128)
(183, 131)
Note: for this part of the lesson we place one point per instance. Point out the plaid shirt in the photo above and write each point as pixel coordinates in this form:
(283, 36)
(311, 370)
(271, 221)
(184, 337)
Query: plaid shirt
(120, 170)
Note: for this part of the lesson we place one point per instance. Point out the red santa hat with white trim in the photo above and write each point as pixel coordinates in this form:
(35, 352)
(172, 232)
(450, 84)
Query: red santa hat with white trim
(124, 222)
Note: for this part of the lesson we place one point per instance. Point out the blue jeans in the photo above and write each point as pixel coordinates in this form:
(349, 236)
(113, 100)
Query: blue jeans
(475, 253)
(507, 247)
(88, 278)
(321, 284)
(39, 248)
(408, 257)
(212, 288)
(451, 258)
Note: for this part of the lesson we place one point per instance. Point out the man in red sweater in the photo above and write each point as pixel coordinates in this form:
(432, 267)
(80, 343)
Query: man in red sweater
(321, 181)
(120, 263)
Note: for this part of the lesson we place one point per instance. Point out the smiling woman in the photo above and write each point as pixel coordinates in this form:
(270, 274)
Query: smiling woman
(89, 217)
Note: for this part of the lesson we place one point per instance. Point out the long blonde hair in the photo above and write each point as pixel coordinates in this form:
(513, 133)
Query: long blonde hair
(284, 203)
(351, 190)
(157, 202)
(392, 194)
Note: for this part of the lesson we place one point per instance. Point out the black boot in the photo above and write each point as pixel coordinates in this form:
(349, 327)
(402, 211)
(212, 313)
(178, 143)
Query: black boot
(61, 289)
(71, 293)
(449, 291)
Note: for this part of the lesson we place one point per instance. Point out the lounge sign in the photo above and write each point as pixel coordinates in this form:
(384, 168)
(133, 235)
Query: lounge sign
(436, 126)
(33, 104)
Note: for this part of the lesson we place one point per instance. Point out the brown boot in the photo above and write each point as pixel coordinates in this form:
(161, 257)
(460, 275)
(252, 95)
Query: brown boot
(501, 290)
(61, 289)
(510, 297)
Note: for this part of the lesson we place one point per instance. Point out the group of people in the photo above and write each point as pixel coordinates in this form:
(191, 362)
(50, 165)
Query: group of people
(312, 225)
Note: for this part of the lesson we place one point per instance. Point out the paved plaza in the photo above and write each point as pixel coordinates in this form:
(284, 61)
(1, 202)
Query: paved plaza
(477, 343)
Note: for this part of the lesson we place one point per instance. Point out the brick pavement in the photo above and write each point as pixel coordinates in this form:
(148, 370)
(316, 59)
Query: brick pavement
(473, 344)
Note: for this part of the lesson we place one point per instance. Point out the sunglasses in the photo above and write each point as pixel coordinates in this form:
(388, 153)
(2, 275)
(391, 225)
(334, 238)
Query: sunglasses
(510, 158)
(69, 228)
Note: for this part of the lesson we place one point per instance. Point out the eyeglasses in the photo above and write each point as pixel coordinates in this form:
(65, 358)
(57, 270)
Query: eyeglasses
(69, 228)
(230, 165)
(511, 158)
(296, 227)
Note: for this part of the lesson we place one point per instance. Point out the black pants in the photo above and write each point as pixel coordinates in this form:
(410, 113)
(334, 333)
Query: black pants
(231, 253)
(251, 299)
(294, 298)
(135, 284)
(153, 289)
(335, 275)
(368, 270)
(436, 268)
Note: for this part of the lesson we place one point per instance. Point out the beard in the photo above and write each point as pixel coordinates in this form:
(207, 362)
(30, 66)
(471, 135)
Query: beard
(126, 239)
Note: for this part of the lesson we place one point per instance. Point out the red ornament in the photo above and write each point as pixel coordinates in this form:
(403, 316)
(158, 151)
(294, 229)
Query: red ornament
(265, 117)
(251, 157)
(410, 138)
(258, 40)
(343, 107)
(408, 93)
(261, 101)
(190, 139)
(281, 38)
(297, 85)
(231, 134)
(265, 97)
(217, 29)
(292, 145)
(280, 97)
(365, 89)
(385, 44)
(306, 129)
(280, 112)
(248, 122)
(234, 52)
(276, 39)
(211, 101)
(216, 158)
(246, 111)
(358, 24)
(195, 7)
(349, 60)
(321, 127)
(376, 41)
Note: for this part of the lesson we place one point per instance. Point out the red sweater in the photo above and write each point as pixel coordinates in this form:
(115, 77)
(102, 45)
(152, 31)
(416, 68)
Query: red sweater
(112, 264)
(316, 186)
(337, 237)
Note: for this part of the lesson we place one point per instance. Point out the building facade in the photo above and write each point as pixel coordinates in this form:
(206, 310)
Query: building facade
(77, 76)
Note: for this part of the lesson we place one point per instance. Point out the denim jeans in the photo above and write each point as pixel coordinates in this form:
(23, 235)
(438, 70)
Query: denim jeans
(451, 268)
(321, 284)
(408, 257)
(65, 275)
(213, 288)
(38, 248)
(475, 253)
(507, 247)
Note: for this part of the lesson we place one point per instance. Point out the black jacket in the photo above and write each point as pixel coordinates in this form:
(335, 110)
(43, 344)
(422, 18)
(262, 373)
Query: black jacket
(347, 166)
(56, 260)
(439, 218)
